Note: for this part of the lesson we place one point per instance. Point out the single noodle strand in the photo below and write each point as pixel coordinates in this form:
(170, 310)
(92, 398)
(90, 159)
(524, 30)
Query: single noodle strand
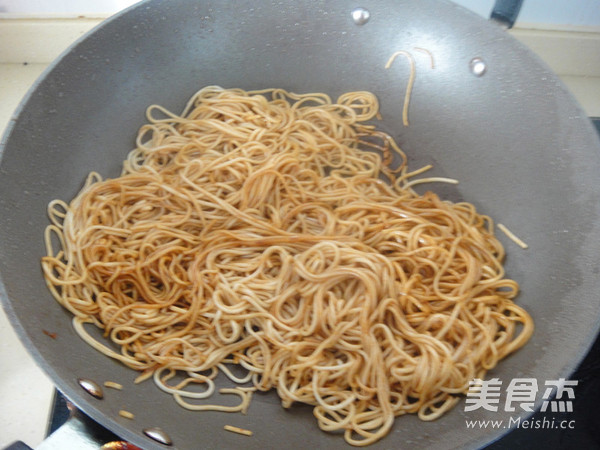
(512, 236)
(410, 83)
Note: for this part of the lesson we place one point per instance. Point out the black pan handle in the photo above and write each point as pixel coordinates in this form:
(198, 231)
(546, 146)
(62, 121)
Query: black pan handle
(505, 12)
(18, 445)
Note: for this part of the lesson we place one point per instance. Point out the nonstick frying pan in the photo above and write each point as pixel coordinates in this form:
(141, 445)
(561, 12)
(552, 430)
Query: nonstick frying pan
(511, 133)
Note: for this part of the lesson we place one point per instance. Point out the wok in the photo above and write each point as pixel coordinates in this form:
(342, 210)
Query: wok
(515, 138)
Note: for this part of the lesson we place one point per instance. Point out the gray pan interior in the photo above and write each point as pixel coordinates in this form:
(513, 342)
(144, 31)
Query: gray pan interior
(515, 138)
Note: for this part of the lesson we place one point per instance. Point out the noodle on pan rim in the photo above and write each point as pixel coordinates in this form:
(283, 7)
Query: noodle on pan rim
(256, 228)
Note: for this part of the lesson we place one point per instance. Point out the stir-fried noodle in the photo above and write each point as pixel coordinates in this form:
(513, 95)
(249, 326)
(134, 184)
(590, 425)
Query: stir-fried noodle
(266, 229)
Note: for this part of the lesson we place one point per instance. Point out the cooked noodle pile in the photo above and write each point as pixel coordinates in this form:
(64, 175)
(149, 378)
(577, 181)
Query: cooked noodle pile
(265, 229)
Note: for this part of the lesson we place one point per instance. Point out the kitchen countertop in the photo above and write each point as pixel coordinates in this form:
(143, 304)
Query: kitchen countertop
(27, 46)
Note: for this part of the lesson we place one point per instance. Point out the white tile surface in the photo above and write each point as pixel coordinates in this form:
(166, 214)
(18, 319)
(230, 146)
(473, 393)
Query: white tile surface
(64, 6)
(25, 391)
(39, 40)
(587, 91)
(15, 80)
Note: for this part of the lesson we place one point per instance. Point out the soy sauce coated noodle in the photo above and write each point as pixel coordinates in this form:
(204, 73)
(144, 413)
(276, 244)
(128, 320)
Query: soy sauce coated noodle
(255, 228)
